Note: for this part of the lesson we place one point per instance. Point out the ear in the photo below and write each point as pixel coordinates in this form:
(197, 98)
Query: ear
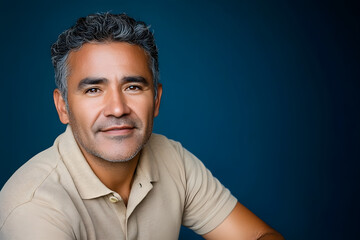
(157, 100)
(61, 107)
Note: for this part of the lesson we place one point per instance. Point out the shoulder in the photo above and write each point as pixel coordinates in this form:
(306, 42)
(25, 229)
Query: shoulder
(207, 202)
(165, 144)
(26, 181)
(165, 150)
(173, 151)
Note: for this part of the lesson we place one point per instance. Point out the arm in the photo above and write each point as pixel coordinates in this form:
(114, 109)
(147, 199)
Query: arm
(243, 224)
(32, 221)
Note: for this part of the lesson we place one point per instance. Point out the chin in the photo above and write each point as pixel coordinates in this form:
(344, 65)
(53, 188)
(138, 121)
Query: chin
(117, 157)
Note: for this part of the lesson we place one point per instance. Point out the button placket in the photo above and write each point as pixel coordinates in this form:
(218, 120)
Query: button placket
(120, 209)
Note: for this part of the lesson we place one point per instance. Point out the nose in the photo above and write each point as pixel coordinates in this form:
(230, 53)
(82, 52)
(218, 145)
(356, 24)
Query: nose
(115, 104)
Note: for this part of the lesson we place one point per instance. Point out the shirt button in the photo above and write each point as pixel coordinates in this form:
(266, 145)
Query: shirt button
(113, 199)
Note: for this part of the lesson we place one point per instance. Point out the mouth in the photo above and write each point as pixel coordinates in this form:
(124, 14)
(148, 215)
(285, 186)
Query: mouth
(118, 130)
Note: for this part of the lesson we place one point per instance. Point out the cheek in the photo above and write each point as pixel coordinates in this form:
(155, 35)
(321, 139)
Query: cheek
(144, 109)
(83, 112)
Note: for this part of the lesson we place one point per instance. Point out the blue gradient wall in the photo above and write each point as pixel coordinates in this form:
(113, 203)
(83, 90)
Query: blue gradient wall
(265, 93)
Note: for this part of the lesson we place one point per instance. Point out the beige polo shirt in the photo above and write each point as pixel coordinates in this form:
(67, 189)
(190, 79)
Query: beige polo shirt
(56, 195)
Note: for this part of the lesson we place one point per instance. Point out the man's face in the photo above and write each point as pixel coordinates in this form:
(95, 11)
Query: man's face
(111, 104)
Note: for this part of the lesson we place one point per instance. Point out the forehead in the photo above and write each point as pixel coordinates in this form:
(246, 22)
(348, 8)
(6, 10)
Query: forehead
(108, 59)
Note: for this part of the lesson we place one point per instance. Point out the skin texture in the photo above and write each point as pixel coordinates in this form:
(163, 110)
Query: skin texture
(111, 107)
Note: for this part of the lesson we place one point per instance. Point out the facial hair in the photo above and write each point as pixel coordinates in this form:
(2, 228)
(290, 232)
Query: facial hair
(90, 147)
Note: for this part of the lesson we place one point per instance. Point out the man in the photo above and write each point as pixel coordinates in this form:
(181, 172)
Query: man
(108, 176)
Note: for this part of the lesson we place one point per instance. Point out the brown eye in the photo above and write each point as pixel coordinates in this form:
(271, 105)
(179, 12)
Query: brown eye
(134, 88)
(92, 90)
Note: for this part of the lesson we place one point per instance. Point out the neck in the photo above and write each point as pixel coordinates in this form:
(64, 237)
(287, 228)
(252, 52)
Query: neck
(117, 176)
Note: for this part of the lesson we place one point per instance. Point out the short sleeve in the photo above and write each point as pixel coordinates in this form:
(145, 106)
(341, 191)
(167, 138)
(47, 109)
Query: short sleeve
(207, 202)
(33, 221)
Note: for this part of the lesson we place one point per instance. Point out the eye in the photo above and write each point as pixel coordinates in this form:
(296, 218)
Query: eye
(92, 91)
(134, 88)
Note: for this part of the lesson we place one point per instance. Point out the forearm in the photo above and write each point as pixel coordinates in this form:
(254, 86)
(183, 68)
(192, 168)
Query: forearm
(271, 236)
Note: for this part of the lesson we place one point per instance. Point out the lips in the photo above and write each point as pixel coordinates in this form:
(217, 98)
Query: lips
(117, 128)
(119, 131)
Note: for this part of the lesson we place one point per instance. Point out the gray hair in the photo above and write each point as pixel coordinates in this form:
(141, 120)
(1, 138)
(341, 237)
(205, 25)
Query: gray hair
(102, 27)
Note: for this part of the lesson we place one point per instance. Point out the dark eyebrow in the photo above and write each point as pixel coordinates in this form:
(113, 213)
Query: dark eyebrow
(136, 79)
(91, 81)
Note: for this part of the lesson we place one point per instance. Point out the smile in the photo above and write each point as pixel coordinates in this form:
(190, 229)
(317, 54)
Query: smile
(118, 130)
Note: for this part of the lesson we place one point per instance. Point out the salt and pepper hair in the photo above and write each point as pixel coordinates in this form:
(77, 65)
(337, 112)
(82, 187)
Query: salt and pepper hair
(99, 28)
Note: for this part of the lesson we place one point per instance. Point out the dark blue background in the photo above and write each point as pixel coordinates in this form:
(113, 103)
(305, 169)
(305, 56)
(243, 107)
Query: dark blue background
(265, 93)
